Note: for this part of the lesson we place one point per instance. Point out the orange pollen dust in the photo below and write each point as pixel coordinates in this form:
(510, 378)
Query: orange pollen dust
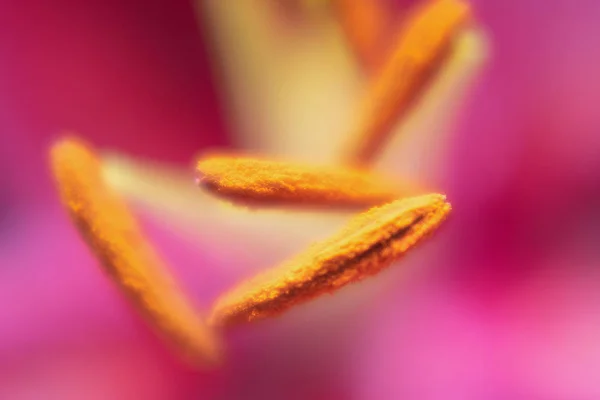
(420, 51)
(112, 232)
(255, 181)
(369, 243)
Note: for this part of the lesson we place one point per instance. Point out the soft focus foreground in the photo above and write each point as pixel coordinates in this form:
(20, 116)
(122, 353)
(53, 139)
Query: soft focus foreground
(504, 304)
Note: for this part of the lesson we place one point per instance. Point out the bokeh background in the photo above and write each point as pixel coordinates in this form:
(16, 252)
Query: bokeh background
(504, 303)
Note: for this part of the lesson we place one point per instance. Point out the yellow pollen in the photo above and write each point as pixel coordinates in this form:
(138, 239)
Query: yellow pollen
(369, 243)
(420, 50)
(255, 181)
(112, 233)
(365, 24)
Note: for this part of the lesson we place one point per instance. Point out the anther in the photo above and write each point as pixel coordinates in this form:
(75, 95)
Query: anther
(255, 181)
(369, 243)
(420, 51)
(365, 24)
(113, 234)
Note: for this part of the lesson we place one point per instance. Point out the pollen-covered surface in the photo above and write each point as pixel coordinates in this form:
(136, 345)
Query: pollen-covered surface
(420, 51)
(255, 181)
(114, 236)
(369, 243)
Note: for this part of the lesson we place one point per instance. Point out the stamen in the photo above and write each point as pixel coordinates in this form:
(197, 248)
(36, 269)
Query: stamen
(365, 24)
(113, 234)
(249, 181)
(421, 49)
(369, 243)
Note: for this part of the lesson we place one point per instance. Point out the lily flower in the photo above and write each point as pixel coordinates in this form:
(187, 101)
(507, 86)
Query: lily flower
(420, 43)
(414, 332)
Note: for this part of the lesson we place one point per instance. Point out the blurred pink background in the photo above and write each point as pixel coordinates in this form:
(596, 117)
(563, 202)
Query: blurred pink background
(508, 308)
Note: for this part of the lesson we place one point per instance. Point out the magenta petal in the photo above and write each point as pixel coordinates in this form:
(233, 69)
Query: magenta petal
(67, 332)
(133, 76)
